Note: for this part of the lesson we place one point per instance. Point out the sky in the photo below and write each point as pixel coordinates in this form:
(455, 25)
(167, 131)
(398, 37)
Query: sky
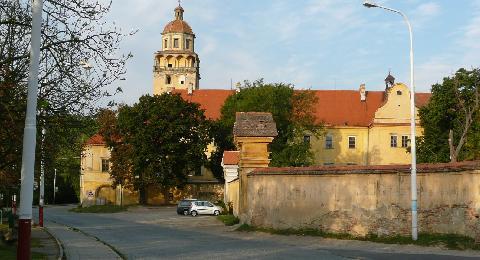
(317, 44)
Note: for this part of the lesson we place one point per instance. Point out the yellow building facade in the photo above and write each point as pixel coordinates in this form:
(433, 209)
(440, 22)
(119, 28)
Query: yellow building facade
(383, 141)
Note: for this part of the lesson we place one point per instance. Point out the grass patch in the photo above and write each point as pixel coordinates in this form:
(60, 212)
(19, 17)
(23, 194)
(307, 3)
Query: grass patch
(228, 220)
(99, 209)
(9, 252)
(450, 241)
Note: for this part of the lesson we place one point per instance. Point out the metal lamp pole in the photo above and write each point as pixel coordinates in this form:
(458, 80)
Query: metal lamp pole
(413, 177)
(29, 138)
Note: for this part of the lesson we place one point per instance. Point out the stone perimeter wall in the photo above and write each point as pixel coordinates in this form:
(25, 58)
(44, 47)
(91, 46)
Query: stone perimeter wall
(366, 200)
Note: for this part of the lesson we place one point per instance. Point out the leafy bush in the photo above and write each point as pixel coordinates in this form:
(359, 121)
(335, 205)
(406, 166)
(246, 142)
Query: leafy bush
(229, 220)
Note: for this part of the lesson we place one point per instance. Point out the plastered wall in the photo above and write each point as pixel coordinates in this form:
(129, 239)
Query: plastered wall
(352, 200)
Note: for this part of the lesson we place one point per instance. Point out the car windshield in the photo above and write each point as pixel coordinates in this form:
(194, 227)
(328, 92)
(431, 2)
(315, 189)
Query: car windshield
(185, 203)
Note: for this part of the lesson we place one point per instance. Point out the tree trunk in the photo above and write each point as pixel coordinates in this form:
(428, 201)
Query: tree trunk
(453, 155)
(143, 196)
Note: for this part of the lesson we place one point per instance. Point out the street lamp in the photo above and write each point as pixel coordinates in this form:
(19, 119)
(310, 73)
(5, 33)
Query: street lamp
(29, 138)
(413, 177)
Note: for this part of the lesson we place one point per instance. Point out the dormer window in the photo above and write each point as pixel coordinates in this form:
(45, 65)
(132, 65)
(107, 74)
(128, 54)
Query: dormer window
(399, 93)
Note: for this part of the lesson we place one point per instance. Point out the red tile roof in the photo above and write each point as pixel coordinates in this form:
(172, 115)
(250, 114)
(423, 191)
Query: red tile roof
(231, 157)
(211, 100)
(96, 139)
(335, 107)
(369, 169)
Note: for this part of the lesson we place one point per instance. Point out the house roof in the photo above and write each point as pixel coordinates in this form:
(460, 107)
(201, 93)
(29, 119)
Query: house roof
(211, 100)
(334, 108)
(231, 157)
(258, 124)
(96, 139)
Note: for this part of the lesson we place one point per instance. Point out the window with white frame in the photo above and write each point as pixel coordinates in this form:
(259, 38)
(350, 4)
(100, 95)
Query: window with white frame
(352, 142)
(393, 141)
(105, 165)
(405, 141)
(329, 142)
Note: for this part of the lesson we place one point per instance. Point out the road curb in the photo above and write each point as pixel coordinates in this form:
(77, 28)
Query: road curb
(59, 244)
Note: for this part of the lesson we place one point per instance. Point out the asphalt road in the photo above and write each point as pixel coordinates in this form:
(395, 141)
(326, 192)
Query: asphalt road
(159, 233)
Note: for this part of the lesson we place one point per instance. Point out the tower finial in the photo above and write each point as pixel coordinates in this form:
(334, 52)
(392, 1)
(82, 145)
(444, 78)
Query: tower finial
(179, 2)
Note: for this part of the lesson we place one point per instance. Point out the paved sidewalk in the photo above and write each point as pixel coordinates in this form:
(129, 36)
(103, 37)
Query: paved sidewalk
(78, 245)
(44, 243)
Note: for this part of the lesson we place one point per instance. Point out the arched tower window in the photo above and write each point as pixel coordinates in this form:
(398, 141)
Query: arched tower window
(168, 80)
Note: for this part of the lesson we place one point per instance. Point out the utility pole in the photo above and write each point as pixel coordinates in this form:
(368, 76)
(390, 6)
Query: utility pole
(42, 180)
(29, 138)
(54, 185)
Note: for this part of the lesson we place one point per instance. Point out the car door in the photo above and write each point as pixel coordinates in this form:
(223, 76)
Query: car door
(209, 207)
(201, 207)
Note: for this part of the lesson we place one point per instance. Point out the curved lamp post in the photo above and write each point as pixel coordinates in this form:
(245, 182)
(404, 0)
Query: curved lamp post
(413, 176)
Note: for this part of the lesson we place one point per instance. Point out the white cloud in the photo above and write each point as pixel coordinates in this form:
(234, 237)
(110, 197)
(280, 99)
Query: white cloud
(425, 13)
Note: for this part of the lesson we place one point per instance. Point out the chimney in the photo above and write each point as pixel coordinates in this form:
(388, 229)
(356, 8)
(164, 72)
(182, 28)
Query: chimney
(363, 93)
(238, 87)
(190, 89)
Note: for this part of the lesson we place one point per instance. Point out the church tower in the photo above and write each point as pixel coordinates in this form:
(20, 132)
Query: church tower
(176, 66)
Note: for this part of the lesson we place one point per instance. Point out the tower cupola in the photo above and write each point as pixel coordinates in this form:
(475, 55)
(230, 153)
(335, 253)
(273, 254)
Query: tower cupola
(179, 12)
(176, 65)
(389, 81)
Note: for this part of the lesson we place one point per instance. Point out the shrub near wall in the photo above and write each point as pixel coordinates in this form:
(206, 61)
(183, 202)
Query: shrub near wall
(366, 200)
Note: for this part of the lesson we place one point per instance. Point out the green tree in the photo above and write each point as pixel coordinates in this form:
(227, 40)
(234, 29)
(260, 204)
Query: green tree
(294, 115)
(451, 120)
(79, 63)
(159, 140)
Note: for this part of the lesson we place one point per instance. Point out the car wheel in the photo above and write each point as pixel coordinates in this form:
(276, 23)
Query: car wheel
(194, 213)
(185, 212)
(216, 213)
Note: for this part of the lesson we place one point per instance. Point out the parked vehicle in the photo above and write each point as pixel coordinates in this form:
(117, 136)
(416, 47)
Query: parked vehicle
(183, 206)
(204, 208)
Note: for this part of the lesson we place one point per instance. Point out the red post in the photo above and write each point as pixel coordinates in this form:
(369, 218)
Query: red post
(24, 233)
(40, 216)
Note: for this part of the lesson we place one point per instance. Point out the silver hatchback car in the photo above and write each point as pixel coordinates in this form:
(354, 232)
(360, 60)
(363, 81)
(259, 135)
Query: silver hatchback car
(202, 207)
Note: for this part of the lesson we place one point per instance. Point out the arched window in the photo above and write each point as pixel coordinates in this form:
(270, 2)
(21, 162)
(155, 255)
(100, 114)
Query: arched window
(168, 80)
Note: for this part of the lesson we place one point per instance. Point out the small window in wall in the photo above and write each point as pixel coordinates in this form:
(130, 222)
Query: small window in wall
(393, 141)
(181, 80)
(306, 139)
(105, 165)
(399, 92)
(175, 43)
(168, 80)
(405, 141)
(170, 65)
(352, 142)
(165, 44)
(328, 142)
(187, 44)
